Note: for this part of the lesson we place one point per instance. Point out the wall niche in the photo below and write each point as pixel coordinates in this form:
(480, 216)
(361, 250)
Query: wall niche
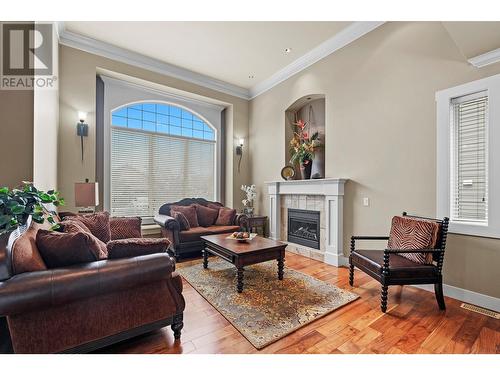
(311, 109)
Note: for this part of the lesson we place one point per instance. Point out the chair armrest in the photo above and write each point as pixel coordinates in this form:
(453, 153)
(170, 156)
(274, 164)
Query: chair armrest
(369, 237)
(42, 289)
(410, 251)
(166, 221)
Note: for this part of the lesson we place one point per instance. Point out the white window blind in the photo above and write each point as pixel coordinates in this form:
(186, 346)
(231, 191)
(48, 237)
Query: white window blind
(469, 185)
(149, 169)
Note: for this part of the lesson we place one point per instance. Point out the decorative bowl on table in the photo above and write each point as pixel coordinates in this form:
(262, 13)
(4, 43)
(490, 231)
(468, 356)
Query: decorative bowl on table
(241, 236)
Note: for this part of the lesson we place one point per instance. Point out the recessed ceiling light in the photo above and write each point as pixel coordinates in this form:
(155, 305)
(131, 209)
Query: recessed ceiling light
(288, 50)
(251, 76)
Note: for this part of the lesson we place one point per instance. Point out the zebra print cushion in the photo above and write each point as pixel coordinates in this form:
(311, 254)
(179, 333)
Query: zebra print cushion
(410, 233)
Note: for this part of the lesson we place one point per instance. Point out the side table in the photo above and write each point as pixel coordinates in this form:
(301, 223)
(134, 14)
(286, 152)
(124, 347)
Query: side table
(256, 223)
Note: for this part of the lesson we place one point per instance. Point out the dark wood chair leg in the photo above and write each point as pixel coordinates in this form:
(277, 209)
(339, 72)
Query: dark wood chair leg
(438, 289)
(5, 341)
(177, 325)
(383, 298)
(351, 275)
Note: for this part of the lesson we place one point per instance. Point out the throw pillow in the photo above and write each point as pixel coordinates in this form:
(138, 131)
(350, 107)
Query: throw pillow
(133, 247)
(409, 234)
(226, 216)
(206, 216)
(98, 224)
(125, 227)
(213, 205)
(183, 221)
(65, 249)
(189, 212)
(73, 226)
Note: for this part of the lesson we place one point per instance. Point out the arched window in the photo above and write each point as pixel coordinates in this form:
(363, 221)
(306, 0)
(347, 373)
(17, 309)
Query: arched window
(159, 153)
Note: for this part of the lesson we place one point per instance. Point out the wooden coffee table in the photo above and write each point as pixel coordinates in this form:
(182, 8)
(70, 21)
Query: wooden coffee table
(243, 254)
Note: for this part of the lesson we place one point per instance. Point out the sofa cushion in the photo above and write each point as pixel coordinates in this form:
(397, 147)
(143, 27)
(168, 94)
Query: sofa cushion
(206, 215)
(409, 233)
(65, 249)
(226, 216)
(125, 227)
(193, 234)
(25, 254)
(181, 218)
(98, 224)
(189, 212)
(133, 247)
(73, 226)
(214, 205)
(216, 229)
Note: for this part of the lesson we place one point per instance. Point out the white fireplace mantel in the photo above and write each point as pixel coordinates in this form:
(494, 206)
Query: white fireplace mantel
(333, 191)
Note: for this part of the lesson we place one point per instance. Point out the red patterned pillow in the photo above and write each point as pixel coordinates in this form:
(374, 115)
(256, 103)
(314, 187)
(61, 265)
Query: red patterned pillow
(213, 205)
(183, 221)
(125, 227)
(226, 216)
(98, 224)
(206, 216)
(410, 233)
(189, 212)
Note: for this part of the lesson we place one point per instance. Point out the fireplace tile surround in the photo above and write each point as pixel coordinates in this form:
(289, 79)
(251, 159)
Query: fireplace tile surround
(323, 195)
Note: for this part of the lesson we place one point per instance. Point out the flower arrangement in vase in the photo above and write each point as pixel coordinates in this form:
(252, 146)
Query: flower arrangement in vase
(251, 194)
(303, 147)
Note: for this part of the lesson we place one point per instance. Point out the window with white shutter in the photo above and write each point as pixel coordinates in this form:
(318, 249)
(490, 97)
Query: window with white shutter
(469, 158)
(159, 153)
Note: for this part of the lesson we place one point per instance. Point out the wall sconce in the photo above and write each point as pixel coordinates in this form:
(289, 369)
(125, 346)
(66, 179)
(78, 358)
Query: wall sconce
(82, 129)
(239, 151)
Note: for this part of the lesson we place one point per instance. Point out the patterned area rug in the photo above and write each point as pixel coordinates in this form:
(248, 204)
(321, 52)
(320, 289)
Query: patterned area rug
(268, 309)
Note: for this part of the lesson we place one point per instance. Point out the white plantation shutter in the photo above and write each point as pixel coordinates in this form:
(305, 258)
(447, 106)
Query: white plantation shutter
(469, 177)
(149, 169)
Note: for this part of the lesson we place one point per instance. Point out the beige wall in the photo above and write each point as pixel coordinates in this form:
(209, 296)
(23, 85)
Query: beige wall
(77, 93)
(381, 134)
(16, 134)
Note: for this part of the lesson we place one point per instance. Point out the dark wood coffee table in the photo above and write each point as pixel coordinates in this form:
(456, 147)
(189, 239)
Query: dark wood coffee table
(243, 254)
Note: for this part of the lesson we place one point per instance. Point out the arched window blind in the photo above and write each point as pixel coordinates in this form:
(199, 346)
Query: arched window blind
(159, 153)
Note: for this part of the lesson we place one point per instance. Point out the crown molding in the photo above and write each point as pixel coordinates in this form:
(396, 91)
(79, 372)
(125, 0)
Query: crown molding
(70, 39)
(487, 58)
(343, 38)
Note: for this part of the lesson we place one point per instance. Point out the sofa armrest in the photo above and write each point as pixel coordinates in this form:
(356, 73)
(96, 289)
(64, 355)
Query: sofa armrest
(166, 221)
(43, 289)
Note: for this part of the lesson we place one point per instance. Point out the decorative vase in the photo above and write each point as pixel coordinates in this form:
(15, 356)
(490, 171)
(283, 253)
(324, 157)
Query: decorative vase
(305, 169)
(248, 211)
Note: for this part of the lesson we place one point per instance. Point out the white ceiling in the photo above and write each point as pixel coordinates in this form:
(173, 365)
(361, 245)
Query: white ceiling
(227, 51)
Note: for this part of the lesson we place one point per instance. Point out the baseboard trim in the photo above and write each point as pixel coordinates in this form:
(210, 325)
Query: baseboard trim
(336, 260)
(478, 299)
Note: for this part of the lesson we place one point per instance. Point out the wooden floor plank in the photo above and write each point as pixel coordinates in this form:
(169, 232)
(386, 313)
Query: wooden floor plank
(412, 324)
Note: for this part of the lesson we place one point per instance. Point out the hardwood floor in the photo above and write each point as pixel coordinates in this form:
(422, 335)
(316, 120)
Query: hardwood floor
(413, 324)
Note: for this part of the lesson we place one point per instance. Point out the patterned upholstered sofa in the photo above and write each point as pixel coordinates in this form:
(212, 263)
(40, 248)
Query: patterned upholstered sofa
(185, 243)
(86, 306)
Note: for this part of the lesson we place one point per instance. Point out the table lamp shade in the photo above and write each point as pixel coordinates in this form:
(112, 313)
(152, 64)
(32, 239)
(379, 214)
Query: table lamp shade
(86, 194)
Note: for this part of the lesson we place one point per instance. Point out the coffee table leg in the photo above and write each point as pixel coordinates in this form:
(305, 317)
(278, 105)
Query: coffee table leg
(240, 280)
(205, 258)
(281, 265)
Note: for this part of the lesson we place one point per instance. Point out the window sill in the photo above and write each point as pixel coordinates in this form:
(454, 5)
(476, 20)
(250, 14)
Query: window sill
(148, 230)
(478, 230)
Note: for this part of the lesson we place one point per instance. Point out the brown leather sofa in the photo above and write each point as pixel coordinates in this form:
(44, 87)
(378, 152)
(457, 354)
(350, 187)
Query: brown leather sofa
(84, 307)
(187, 242)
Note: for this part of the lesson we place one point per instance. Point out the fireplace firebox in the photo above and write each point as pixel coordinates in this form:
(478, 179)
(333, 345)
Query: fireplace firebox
(304, 227)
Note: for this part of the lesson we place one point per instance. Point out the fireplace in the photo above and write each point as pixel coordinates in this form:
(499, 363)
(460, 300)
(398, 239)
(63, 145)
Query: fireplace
(304, 227)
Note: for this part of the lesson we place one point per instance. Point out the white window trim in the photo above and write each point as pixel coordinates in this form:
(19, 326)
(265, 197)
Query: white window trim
(443, 101)
(208, 112)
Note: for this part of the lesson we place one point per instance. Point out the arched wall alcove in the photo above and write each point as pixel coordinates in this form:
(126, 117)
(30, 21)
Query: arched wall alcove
(311, 109)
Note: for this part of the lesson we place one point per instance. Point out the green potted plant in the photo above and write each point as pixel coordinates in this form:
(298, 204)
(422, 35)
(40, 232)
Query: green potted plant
(303, 148)
(17, 205)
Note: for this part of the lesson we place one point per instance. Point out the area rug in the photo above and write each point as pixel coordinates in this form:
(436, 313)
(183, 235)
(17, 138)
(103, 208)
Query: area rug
(268, 309)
